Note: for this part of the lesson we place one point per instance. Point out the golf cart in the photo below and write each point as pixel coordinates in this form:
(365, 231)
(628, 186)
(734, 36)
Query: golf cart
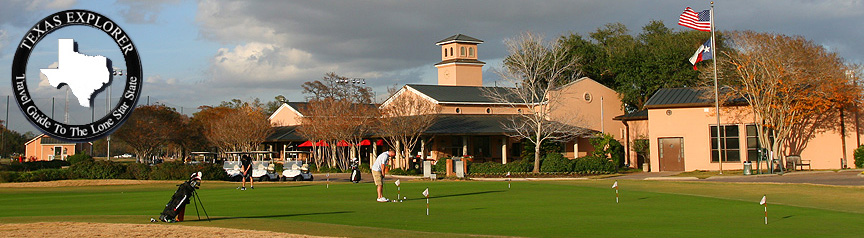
(295, 170)
(201, 157)
(262, 165)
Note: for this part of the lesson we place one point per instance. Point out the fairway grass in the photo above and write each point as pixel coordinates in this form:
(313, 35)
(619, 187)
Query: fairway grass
(583, 208)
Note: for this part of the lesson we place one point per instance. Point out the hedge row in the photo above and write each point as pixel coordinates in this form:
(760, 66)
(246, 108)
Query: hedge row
(35, 165)
(111, 170)
(552, 163)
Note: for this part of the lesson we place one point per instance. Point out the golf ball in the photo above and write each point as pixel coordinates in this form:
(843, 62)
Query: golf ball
(404, 197)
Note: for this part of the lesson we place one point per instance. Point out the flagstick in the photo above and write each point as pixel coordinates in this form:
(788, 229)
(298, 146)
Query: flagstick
(766, 212)
(398, 192)
(616, 195)
(328, 180)
(427, 202)
(508, 180)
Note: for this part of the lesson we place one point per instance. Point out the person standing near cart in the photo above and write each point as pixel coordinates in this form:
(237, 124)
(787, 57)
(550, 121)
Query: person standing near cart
(378, 167)
(246, 167)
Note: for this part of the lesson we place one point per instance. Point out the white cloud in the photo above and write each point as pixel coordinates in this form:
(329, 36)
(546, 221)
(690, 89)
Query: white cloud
(262, 64)
(4, 39)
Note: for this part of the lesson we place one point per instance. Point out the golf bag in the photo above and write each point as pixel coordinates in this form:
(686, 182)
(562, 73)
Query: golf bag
(178, 201)
(355, 171)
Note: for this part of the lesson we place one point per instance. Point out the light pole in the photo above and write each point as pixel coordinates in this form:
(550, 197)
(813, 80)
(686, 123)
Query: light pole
(118, 72)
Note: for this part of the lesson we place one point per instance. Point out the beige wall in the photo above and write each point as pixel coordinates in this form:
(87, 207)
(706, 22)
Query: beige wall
(482, 109)
(824, 150)
(569, 106)
(460, 75)
(456, 51)
(637, 130)
(285, 116)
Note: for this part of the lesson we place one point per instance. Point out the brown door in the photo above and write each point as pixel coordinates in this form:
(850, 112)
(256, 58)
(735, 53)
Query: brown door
(672, 154)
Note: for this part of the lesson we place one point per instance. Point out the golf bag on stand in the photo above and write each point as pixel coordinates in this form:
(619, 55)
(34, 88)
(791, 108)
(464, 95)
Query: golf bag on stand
(355, 170)
(175, 208)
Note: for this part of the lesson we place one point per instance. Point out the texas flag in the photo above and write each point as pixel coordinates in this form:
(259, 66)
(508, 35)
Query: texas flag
(703, 53)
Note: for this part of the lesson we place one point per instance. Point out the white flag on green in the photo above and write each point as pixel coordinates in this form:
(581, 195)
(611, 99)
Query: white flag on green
(615, 185)
(763, 201)
(397, 182)
(426, 192)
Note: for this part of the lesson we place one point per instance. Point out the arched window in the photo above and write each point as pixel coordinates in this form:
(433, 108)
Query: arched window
(488, 110)
(471, 51)
(451, 51)
(445, 52)
(462, 51)
(458, 110)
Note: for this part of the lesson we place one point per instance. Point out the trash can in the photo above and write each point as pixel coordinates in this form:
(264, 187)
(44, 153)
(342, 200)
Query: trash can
(748, 167)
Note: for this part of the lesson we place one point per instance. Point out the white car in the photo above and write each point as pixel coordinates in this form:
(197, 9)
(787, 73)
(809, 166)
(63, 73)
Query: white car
(296, 171)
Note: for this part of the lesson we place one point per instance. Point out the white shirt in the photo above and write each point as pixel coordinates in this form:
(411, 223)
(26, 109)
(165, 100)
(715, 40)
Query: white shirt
(381, 160)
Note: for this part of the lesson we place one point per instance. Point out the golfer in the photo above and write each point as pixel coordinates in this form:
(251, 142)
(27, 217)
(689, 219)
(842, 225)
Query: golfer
(246, 167)
(378, 172)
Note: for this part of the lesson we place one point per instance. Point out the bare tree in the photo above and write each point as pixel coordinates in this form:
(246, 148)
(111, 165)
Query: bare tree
(149, 129)
(404, 118)
(536, 69)
(340, 113)
(793, 86)
(237, 129)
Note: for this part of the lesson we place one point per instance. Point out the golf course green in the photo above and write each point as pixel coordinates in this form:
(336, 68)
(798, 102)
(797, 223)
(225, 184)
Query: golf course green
(583, 208)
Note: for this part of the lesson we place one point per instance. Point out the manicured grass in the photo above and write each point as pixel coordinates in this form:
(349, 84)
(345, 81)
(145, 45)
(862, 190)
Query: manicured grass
(703, 174)
(462, 208)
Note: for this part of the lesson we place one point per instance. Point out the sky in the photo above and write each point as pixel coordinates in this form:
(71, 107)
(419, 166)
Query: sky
(197, 53)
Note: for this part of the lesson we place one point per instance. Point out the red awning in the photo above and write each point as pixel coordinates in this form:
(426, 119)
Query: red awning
(306, 144)
(322, 143)
(380, 142)
(365, 142)
(343, 143)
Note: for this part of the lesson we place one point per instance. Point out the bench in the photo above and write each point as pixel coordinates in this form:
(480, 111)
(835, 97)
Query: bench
(795, 161)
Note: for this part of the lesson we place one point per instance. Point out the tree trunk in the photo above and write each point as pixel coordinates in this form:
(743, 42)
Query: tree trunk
(537, 157)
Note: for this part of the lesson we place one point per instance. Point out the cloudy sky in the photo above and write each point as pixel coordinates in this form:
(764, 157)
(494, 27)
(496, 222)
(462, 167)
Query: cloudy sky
(204, 52)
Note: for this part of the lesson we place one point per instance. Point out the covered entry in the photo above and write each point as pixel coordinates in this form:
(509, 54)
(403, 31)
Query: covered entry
(671, 154)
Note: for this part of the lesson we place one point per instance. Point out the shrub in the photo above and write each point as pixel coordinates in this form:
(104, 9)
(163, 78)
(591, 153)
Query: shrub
(859, 157)
(555, 162)
(440, 166)
(177, 170)
(518, 166)
(137, 171)
(606, 146)
(35, 165)
(78, 158)
(96, 170)
(278, 167)
(43, 175)
(594, 165)
(8, 176)
(546, 147)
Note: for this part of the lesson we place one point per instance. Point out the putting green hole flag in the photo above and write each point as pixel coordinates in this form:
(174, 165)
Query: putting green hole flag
(397, 182)
(426, 192)
(763, 201)
(615, 185)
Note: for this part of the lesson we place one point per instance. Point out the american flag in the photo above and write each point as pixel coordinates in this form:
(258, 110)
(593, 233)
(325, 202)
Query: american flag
(698, 21)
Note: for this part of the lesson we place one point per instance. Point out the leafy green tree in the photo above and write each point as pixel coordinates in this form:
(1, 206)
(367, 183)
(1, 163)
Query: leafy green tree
(638, 66)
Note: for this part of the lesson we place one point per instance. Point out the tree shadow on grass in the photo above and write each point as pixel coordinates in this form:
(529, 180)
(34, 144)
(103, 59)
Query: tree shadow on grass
(266, 216)
(457, 195)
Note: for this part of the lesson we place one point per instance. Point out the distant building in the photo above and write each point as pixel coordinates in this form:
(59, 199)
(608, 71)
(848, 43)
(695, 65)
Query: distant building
(472, 124)
(44, 147)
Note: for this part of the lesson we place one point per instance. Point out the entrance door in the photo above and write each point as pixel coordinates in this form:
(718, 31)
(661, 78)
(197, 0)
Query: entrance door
(671, 154)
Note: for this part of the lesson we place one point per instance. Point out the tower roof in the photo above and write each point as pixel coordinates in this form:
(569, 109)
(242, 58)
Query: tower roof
(459, 38)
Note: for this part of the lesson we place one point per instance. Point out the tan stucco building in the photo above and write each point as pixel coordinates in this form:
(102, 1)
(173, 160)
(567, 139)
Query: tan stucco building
(44, 147)
(681, 128)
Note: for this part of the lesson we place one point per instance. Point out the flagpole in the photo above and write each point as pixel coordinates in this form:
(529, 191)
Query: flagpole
(766, 210)
(716, 91)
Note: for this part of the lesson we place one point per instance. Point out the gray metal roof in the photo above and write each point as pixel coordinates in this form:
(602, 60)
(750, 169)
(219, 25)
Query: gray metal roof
(460, 94)
(469, 125)
(633, 116)
(284, 133)
(459, 38)
(689, 97)
(457, 61)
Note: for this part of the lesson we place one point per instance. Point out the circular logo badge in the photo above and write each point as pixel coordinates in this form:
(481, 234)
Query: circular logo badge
(79, 74)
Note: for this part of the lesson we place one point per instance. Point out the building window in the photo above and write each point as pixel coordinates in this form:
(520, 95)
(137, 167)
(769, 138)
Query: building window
(729, 142)
(753, 144)
(462, 51)
(451, 51)
(587, 97)
(445, 53)
(519, 111)
(488, 110)
(458, 110)
(471, 51)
